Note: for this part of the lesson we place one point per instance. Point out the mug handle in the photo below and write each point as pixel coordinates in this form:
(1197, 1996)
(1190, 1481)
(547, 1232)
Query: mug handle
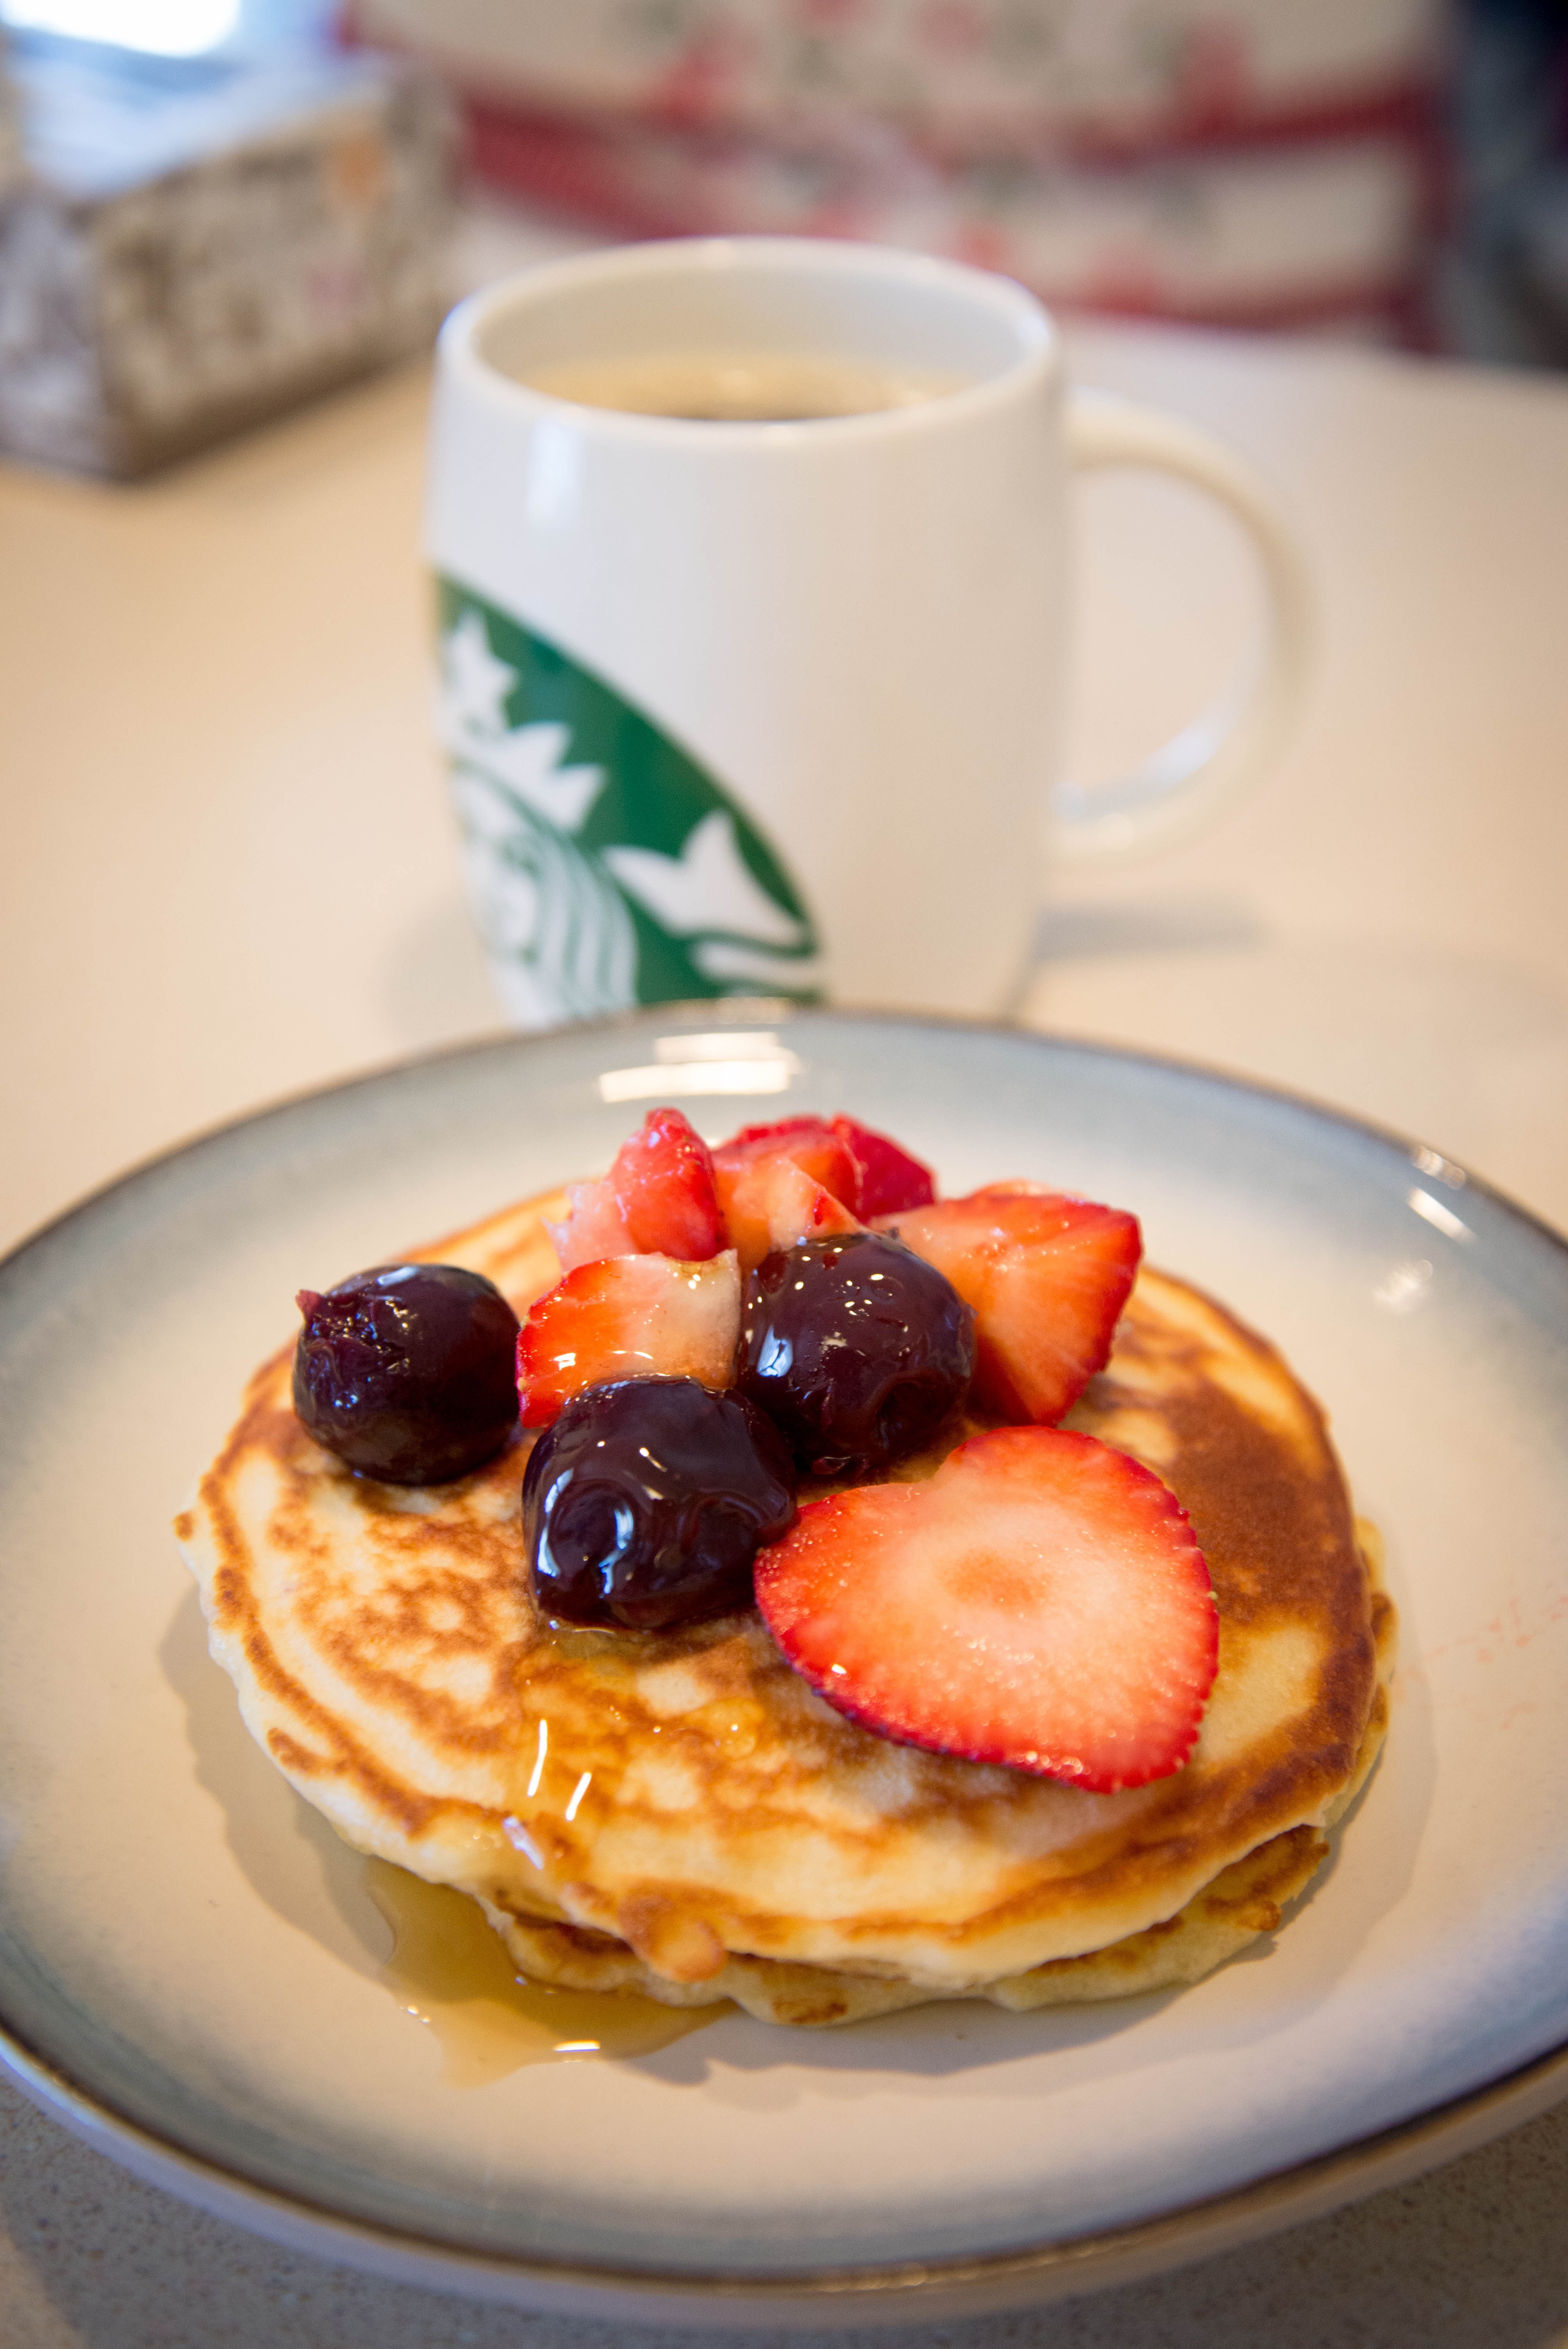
(1226, 749)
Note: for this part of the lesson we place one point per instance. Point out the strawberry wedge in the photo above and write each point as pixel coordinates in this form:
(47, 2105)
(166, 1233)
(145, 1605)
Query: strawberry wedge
(1040, 1603)
(1047, 1277)
(866, 1172)
(769, 1202)
(663, 1177)
(629, 1317)
(890, 1177)
(594, 1226)
(809, 1143)
(658, 1199)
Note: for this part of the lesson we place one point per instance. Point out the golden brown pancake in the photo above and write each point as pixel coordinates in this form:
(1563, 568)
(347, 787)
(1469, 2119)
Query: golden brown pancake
(678, 1812)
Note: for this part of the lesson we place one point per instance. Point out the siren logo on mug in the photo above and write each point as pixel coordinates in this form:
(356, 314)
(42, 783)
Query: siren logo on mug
(606, 867)
(753, 589)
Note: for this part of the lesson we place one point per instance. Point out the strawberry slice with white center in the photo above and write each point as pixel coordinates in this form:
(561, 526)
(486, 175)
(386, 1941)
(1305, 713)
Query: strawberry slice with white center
(629, 1317)
(809, 1143)
(658, 1199)
(867, 1172)
(1040, 1601)
(594, 1229)
(769, 1203)
(1047, 1276)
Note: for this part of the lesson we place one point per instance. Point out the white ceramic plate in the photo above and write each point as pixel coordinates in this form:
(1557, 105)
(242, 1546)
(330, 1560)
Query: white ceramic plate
(189, 1962)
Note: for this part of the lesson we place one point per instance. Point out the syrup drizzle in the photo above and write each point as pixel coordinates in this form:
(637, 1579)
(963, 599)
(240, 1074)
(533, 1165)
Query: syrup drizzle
(453, 1976)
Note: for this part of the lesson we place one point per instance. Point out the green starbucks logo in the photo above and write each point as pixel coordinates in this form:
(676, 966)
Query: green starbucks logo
(608, 868)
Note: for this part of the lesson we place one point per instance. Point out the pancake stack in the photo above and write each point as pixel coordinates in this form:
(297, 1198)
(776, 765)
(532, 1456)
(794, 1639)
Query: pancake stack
(680, 1813)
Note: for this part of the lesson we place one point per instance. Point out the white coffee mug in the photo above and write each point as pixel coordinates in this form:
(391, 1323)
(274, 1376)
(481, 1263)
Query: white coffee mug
(774, 705)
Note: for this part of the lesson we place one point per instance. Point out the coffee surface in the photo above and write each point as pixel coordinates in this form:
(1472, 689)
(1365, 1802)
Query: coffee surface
(739, 387)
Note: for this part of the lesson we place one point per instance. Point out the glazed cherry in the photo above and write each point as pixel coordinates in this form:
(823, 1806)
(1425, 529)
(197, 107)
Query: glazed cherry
(647, 1501)
(406, 1372)
(856, 1349)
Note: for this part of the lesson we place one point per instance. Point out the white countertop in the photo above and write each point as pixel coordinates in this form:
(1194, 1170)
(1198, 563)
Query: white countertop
(230, 875)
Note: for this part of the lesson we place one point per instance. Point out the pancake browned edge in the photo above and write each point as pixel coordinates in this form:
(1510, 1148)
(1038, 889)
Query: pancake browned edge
(677, 1813)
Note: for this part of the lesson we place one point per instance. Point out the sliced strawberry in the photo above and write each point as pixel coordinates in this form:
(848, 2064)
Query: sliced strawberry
(658, 1199)
(771, 1202)
(663, 1178)
(808, 1141)
(1047, 1277)
(594, 1228)
(777, 1135)
(1040, 1601)
(631, 1317)
(890, 1177)
(866, 1172)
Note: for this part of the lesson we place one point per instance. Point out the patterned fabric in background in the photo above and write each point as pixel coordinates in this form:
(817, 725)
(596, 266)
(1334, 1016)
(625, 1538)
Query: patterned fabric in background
(1261, 162)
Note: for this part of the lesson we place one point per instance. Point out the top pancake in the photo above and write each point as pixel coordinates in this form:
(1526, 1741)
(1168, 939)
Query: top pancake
(686, 1793)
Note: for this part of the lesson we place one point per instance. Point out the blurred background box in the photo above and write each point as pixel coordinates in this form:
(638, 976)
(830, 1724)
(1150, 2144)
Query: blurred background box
(1258, 163)
(195, 244)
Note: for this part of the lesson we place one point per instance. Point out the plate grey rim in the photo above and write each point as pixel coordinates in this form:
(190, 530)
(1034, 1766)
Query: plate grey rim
(884, 2292)
(919, 2291)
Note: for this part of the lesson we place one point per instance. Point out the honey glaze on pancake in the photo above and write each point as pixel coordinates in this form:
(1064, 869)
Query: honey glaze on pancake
(660, 1801)
(453, 1974)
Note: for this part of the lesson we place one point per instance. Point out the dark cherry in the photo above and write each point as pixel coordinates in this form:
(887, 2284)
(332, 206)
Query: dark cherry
(409, 1372)
(856, 1348)
(647, 1501)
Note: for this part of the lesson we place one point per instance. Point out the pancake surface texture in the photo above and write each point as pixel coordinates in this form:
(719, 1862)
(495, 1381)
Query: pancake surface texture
(680, 1813)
